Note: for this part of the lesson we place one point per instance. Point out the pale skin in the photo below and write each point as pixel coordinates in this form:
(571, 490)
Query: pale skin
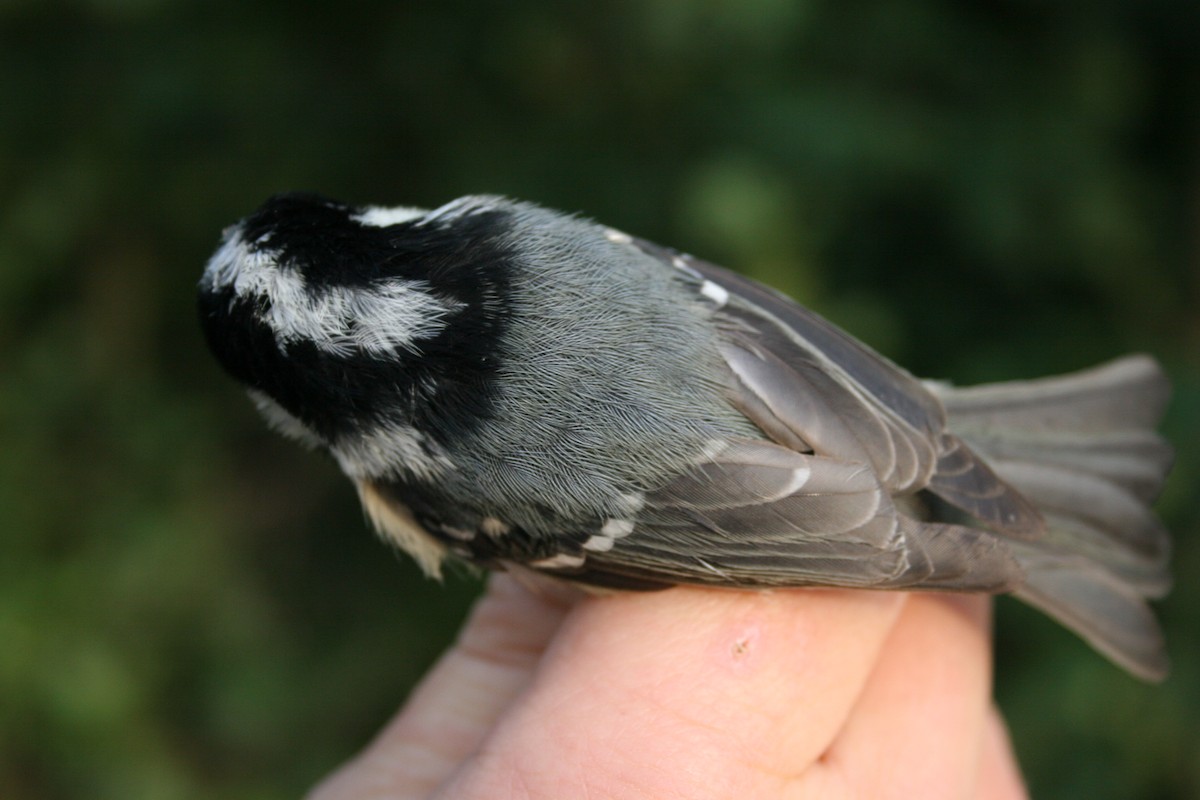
(696, 694)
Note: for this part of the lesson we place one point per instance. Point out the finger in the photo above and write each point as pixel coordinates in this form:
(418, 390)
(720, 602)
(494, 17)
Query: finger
(686, 693)
(918, 727)
(999, 774)
(459, 700)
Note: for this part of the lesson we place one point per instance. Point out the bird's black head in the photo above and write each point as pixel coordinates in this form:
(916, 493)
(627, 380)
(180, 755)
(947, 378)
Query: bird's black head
(346, 320)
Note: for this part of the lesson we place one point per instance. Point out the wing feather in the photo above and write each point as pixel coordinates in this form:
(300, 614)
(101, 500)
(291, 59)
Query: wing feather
(756, 513)
(892, 386)
(849, 402)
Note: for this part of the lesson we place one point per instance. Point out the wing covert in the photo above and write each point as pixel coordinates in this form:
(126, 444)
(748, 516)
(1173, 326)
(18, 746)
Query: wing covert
(810, 386)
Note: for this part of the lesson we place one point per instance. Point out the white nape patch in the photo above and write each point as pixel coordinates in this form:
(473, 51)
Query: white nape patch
(280, 420)
(715, 293)
(395, 523)
(619, 237)
(560, 561)
(460, 207)
(382, 217)
(493, 527)
(385, 316)
(389, 451)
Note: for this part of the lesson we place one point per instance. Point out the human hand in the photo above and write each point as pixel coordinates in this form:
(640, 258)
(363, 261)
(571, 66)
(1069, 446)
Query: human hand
(700, 693)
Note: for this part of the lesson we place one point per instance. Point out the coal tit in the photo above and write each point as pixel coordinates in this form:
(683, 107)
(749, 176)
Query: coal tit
(513, 386)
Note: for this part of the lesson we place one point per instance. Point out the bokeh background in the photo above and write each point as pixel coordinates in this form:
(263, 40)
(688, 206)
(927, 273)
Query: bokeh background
(191, 607)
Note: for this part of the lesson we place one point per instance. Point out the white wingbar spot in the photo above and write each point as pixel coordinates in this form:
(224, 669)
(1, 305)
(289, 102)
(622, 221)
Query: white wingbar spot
(716, 293)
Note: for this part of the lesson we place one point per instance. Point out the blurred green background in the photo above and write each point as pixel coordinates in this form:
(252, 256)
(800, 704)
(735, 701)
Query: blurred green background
(191, 607)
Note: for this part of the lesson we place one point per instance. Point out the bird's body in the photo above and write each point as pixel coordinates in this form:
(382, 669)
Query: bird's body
(514, 386)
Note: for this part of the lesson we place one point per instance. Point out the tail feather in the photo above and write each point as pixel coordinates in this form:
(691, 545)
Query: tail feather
(1101, 506)
(1136, 460)
(1147, 575)
(1109, 614)
(1083, 450)
(1129, 393)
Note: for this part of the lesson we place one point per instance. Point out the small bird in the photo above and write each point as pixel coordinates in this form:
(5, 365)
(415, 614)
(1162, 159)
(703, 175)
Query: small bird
(521, 388)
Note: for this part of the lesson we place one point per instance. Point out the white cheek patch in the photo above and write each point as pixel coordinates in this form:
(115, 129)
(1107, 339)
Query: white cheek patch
(390, 451)
(387, 316)
(381, 217)
(383, 317)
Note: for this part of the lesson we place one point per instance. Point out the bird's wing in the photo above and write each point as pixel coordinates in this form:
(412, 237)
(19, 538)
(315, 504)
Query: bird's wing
(799, 376)
(754, 513)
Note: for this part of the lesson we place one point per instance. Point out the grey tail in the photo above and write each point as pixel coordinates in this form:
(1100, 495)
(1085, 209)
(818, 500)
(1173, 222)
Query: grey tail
(1082, 448)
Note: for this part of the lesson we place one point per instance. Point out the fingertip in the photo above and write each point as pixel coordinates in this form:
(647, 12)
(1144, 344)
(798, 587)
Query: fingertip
(724, 682)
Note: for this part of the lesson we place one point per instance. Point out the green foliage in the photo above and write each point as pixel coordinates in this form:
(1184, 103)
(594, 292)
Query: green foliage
(190, 608)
